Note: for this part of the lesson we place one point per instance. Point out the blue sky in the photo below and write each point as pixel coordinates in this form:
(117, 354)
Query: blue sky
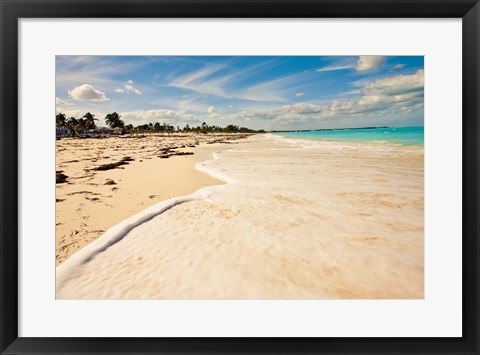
(295, 92)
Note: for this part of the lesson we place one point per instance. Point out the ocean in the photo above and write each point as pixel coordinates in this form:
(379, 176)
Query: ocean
(410, 136)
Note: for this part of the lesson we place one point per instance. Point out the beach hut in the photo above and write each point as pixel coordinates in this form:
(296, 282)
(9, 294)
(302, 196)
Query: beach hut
(62, 132)
(118, 131)
(102, 132)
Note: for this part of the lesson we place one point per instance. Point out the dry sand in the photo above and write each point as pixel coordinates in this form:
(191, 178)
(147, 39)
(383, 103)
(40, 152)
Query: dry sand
(86, 207)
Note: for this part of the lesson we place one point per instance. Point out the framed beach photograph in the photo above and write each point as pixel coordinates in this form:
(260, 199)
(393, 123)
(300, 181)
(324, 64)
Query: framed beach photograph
(255, 177)
(240, 182)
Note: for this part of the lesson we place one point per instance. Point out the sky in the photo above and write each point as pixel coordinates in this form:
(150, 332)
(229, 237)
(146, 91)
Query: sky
(258, 92)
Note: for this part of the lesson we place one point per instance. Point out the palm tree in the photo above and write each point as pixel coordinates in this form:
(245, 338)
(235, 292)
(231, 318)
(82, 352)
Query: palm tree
(80, 127)
(89, 121)
(114, 121)
(61, 120)
(71, 124)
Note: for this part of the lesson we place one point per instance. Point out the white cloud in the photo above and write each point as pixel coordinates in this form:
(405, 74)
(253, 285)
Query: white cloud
(69, 113)
(303, 108)
(158, 115)
(340, 106)
(369, 62)
(213, 113)
(128, 87)
(389, 100)
(403, 90)
(258, 117)
(397, 84)
(383, 100)
(60, 102)
(77, 113)
(398, 66)
(87, 92)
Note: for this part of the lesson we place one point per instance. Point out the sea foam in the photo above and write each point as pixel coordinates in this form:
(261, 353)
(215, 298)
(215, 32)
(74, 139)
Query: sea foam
(120, 230)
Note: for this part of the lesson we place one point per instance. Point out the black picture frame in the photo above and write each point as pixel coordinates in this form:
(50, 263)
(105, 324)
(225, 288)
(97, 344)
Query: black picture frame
(12, 10)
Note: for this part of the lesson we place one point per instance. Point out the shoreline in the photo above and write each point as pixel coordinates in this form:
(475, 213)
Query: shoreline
(365, 142)
(271, 232)
(352, 143)
(400, 136)
(117, 232)
(92, 201)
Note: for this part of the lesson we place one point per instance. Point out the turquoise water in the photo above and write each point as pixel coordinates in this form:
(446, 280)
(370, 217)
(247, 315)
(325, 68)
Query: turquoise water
(400, 135)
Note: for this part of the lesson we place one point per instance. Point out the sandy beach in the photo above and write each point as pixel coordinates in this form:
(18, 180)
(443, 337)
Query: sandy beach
(297, 219)
(91, 201)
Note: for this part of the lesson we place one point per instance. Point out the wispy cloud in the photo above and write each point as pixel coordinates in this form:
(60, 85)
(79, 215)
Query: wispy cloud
(201, 81)
(382, 101)
(222, 81)
(272, 90)
(99, 71)
(362, 63)
(398, 66)
(334, 67)
(60, 102)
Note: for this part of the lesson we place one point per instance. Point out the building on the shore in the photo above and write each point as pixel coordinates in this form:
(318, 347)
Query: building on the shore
(97, 132)
(103, 132)
(62, 132)
(100, 131)
(118, 131)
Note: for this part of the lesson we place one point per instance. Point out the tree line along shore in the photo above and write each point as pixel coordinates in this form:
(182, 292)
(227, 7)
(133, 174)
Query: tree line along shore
(76, 127)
